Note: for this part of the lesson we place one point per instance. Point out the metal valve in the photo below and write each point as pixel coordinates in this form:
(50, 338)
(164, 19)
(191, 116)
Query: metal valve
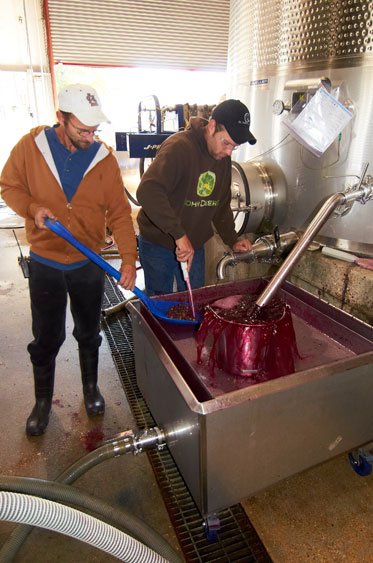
(361, 192)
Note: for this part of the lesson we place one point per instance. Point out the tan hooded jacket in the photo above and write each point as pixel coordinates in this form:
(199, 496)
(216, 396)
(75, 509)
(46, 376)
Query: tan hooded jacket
(30, 179)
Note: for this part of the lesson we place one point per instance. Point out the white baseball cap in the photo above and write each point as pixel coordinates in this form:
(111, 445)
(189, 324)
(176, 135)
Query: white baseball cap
(82, 100)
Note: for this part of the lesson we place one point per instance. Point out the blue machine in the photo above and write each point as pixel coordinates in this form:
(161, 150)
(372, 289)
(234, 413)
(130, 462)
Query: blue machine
(151, 135)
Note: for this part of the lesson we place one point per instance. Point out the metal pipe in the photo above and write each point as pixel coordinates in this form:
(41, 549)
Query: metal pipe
(232, 259)
(137, 442)
(114, 309)
(314, 227)
(264, 247)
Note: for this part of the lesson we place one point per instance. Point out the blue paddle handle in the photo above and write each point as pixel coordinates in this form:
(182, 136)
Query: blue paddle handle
(59, 229)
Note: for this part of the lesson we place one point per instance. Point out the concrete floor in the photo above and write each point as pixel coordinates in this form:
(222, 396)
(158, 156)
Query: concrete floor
(324, 514)
(127, 481)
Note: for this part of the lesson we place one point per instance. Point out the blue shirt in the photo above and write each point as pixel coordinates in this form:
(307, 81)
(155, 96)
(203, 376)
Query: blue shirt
(71, 167)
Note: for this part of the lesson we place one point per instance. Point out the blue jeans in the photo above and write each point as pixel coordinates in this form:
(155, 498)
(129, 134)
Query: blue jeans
(161, 267)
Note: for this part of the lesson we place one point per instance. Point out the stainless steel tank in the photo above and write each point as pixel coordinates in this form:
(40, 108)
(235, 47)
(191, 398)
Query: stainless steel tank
(232, 436)
(278, 53)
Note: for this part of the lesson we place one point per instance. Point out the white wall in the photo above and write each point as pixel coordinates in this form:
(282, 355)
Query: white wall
(22, 35)
(25, 85)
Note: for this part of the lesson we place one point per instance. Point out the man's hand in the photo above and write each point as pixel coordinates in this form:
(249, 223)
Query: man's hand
(184, 250)
(128, 277)
(40, 216)
(243, 245)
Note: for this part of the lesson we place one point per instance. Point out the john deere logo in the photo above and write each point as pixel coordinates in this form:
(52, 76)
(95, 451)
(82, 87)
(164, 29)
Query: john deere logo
(206, 184)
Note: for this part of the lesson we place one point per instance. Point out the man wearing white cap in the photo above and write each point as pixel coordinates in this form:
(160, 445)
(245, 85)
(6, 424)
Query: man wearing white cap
(65, 173)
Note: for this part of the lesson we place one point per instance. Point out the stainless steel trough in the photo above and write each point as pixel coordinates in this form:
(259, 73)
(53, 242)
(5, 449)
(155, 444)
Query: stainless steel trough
(233, 436)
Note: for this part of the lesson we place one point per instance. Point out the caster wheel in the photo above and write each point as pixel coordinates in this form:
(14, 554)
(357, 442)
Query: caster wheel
(212, 535)
(360, 465)
(212, 527)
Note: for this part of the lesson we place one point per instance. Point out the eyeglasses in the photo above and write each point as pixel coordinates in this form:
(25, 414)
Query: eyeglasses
(85, 132)
(228, 144)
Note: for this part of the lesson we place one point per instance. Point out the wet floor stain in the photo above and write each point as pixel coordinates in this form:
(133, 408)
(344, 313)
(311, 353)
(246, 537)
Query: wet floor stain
(91, 440)
(58, 403)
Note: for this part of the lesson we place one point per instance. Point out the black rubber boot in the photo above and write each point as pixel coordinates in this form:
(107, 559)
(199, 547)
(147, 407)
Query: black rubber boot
(93, 400)
(44, 383)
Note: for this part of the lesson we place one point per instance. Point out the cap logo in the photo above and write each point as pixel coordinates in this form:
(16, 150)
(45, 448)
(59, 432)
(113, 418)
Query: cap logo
(92, 100)
(246, 120)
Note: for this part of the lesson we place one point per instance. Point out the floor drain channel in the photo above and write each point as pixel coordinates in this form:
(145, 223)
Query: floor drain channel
(238, 540)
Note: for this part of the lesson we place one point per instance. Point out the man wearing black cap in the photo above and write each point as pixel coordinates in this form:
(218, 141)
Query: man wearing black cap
(184, 192)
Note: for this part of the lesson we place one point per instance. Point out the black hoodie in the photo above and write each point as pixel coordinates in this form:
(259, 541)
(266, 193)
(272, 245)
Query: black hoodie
(185, 190)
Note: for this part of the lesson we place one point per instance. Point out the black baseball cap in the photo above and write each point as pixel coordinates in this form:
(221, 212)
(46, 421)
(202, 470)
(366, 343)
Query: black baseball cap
(235, 117)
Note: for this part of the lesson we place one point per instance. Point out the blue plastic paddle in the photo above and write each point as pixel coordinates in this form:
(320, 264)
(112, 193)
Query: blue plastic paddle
(157, 307)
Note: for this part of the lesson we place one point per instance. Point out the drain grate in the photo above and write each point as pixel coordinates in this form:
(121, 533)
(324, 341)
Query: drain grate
(238, 540)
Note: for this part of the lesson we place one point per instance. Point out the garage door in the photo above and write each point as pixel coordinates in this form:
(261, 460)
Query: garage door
(183, 34)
